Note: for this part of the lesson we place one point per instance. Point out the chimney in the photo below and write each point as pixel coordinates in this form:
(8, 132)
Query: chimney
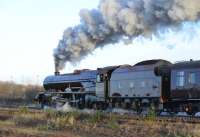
(57, 73)
(56, 70)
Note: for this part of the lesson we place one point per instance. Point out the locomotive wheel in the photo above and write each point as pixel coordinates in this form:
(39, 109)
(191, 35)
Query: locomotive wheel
(117, 105)
(101, 105)
(126, 105)
(104, 106)
(138, 107)
(94, 106)
(189, 109)
(81, 106)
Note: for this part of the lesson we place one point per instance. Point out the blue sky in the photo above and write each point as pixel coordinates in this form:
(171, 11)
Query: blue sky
(31, 29)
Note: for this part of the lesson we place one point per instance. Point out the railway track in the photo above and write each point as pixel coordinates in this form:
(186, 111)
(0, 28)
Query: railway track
(18, 109)
(172, 119)
(184, 119)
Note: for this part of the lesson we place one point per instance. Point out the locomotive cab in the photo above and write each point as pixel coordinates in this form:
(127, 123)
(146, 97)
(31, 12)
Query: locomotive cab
(103, 82)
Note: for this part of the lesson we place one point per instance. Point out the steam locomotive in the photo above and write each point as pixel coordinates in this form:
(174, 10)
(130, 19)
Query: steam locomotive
(158, 83)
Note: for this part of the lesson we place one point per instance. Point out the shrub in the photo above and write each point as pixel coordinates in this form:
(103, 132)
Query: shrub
(113, 123)
(17, 94)
(51, 114)
(30, 94)
(58, 120)
(151, 114)
(96, 117)
(23, 109)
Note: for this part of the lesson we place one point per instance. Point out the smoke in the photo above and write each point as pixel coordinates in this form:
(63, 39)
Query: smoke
(121, 20)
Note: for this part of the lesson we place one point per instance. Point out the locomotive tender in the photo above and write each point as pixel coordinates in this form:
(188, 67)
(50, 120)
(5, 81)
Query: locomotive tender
(157, 83)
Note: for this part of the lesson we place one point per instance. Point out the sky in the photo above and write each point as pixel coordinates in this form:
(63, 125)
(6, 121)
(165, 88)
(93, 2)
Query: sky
(31, 29)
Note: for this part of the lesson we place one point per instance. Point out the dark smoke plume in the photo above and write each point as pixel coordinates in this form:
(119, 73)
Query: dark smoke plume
(115, 20)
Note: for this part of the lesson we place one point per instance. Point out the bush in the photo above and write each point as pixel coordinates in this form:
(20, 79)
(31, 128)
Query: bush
(58, 120)
(113, 123)
(23, 109)
(12, 93)
(30, 94)
(52, 114)
(151, 113)
(97, 117)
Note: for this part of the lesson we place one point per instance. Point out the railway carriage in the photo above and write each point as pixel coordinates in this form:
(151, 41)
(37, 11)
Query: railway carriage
(185, 86)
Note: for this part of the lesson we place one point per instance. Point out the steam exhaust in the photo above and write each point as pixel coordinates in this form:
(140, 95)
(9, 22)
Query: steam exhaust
(121, 20)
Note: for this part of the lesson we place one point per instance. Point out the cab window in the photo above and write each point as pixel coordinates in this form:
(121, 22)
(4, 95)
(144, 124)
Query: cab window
(180, 79)
(192, 78)
(99, 78)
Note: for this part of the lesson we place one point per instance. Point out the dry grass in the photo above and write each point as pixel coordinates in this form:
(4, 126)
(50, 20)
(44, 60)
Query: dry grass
(85, 125)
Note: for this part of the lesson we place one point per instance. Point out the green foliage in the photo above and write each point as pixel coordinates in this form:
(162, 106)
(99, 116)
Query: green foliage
(151, 114)
(49, 113)
(75, 114)
(50, 120)
(96, 117)
(23, 110)
(113, 122)
(58, 120)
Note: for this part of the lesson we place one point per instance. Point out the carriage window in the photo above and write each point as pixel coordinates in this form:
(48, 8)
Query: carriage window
(131, 85)
(180, 79)
(143, 84)
(119, 85)
(192, 78)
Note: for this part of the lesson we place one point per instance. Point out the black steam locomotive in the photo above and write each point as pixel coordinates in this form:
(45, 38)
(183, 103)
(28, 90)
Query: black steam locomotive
(158, 83)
